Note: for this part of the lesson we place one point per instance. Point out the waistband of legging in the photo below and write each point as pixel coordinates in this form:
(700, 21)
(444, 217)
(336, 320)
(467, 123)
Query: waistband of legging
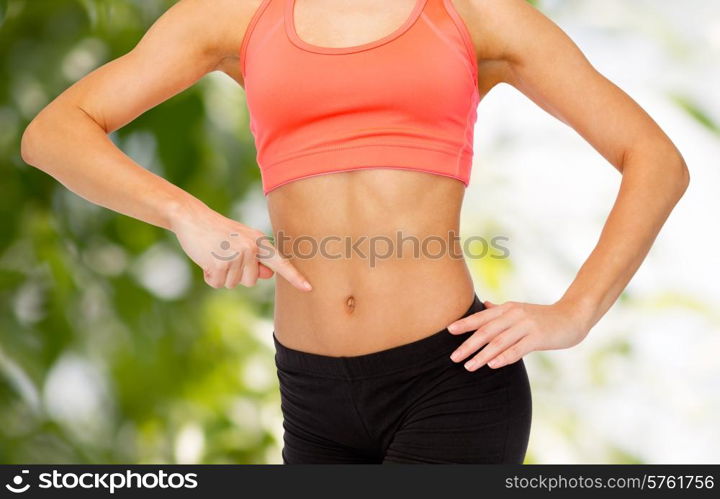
(406, 356)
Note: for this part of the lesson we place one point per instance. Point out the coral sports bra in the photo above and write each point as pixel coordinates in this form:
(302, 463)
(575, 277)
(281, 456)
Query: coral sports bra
(406, 101)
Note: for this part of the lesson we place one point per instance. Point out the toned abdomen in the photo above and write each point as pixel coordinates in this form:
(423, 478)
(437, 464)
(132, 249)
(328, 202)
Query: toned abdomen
(381, 249)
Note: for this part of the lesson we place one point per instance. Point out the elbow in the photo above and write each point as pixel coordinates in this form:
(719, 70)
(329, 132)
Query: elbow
(682, 175)
(663, 167)
(29, 143)
(671, 170)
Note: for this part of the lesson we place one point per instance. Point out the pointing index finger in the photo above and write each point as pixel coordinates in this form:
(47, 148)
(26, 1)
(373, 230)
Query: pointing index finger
(287, 270)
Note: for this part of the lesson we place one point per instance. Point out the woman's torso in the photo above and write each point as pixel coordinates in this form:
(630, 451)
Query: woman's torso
(380, 246)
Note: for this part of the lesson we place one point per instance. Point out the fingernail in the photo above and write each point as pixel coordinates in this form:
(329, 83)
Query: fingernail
(451, 328)
(469, 365)
(455, 356)
(307, 286)
(492, 363)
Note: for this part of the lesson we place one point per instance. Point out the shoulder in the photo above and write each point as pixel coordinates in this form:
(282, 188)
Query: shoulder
(498, 27)
(509, 33)
(216, 26)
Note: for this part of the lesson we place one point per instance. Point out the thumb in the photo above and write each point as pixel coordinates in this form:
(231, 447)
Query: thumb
(264, 272)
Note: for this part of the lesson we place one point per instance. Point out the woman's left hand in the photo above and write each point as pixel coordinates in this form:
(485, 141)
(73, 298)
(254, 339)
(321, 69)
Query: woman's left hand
(513, 329)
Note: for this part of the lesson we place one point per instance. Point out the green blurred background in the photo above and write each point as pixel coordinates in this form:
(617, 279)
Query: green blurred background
(113, 349)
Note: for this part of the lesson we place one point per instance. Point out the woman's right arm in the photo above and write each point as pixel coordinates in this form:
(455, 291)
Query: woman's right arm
(69, 139)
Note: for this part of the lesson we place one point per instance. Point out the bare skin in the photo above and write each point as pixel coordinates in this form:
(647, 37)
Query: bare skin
(354, 308)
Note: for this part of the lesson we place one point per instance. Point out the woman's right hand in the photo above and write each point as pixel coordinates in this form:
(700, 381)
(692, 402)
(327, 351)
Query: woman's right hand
(228, 251)
(69, 139)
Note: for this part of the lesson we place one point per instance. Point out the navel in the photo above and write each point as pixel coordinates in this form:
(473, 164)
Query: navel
(350, 304)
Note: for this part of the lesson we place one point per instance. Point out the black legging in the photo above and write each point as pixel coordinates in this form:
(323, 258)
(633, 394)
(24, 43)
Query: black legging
(407, 404)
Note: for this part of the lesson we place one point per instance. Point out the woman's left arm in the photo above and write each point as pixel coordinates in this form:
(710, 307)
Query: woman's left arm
(528, 51)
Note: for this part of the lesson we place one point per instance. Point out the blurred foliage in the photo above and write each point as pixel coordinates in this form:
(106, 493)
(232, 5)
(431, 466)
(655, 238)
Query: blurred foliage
(101, 360)
(695, 110)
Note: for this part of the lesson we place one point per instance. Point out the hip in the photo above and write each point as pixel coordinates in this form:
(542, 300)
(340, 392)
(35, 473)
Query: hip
(408, 403)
